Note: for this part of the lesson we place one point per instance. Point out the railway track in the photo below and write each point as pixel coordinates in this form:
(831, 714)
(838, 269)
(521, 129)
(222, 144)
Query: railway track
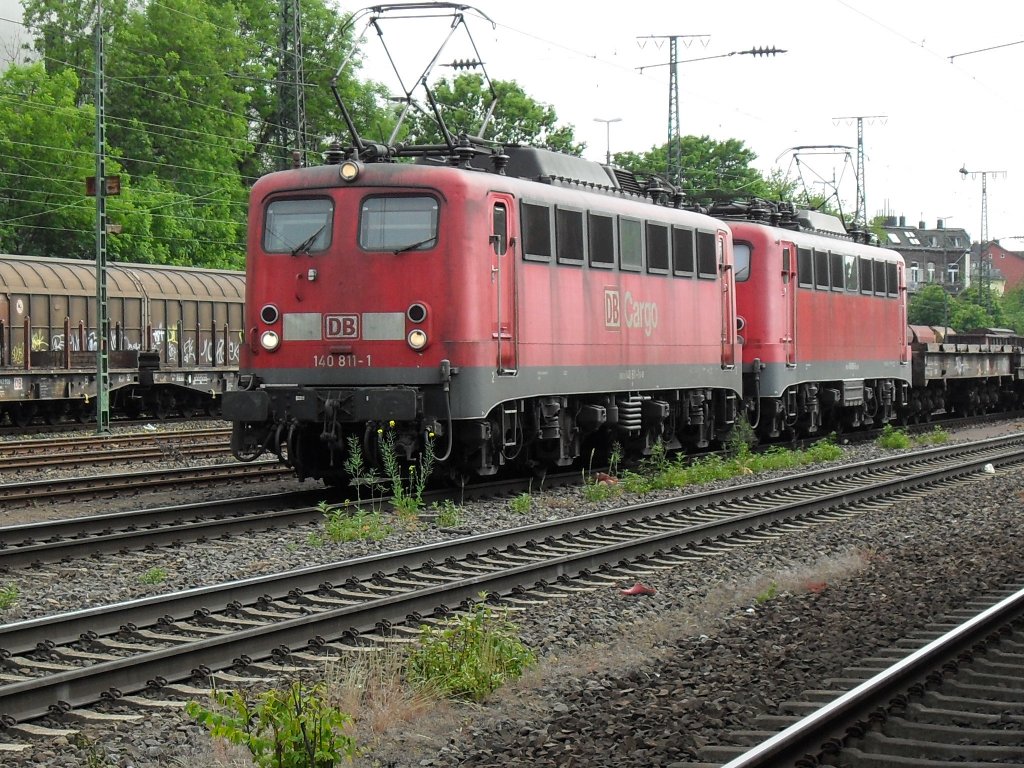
(64, 662)
(51, 541)
(66, 489)
(91, 450)
(84, 427)
(950, 695)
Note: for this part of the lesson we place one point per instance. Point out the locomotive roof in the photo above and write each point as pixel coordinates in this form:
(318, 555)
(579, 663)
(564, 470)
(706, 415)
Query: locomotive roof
(813, 238)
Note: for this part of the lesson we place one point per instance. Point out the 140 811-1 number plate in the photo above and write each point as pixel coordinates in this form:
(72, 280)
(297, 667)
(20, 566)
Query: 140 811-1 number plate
(341, 361)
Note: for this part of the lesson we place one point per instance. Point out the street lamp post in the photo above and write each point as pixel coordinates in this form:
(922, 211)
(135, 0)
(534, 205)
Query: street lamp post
(608, 135)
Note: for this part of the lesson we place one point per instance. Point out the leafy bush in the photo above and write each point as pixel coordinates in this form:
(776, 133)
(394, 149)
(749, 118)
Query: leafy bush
(892, 438)
(471, 656)
(282, 729)
(342, 524)
(521, 504)
(406, 490)
(8, 596)
(448, 514)
(154, 576)
(667, 475)
(936, 437)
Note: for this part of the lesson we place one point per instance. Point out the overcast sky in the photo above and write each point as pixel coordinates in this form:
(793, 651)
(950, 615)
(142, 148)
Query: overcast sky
(844, 58)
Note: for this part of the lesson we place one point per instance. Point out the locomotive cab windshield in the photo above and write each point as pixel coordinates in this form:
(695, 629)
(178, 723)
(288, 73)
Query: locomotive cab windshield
(398, 224)
(298, 226)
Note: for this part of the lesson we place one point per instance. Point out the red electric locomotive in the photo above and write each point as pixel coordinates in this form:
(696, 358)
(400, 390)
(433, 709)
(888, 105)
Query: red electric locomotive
(519, 308)
(823, 320)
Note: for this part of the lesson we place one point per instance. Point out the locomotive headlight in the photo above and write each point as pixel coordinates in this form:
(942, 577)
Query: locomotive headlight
(349, 170)
(417, 339)
(270, 340)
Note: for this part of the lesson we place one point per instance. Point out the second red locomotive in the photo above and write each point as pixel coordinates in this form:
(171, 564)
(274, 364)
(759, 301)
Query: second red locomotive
(824, 323)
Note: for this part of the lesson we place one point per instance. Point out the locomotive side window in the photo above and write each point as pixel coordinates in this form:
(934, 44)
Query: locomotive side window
(821, 270)
(569, 236)
(879, 278)
(805, 267)
(536, 224)
(657, 248)
(836, 270)
(499, 228)
(682, 252)
(398, 223)
(892, 285)
(294, 225)
(601, 231)
(852, 273)
(707, 255)
(631, 244)
(741, 261)
(866, 274)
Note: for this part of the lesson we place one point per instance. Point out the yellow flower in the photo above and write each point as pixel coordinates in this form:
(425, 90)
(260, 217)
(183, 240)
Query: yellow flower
(430, 435)
(380, 431)
(391, 423)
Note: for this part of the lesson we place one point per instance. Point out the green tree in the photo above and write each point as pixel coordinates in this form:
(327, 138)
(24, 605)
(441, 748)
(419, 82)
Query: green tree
(1012, 303)
(517, 119)
(45, 141)
(192, 107)
(63, 35)
(967, 316)
(713, 170)
(977, 308)
(327, 39)
(930, 306)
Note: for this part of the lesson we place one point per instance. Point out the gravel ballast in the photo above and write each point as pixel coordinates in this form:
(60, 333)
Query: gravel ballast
(624, 681)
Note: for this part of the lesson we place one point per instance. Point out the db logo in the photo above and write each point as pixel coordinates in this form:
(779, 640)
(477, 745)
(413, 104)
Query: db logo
(611, 308)
(341, 326)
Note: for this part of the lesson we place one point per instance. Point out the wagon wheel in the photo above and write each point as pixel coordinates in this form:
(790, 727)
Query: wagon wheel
(21, 415)
(161, 405)
(188, 407)
(82, 413)
(54, 413)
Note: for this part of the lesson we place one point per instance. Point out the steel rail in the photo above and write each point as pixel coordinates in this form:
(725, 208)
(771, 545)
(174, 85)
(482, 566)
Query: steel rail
(826, 729)
(91, 485)
(32, 698)
(29, 447)
(34, 543)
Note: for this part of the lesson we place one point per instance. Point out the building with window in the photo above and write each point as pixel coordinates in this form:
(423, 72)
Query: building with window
(938, 254)
(1006, 265)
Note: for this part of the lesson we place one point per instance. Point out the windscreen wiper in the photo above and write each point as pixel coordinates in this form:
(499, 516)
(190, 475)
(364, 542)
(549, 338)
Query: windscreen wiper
(413, 246)
(304, 246)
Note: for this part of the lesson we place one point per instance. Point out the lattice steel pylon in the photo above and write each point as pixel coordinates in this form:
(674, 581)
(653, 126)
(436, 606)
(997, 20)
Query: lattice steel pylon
(984, 268)
(674, 166)
(860, 216)
(291, 90)
(673, 149)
